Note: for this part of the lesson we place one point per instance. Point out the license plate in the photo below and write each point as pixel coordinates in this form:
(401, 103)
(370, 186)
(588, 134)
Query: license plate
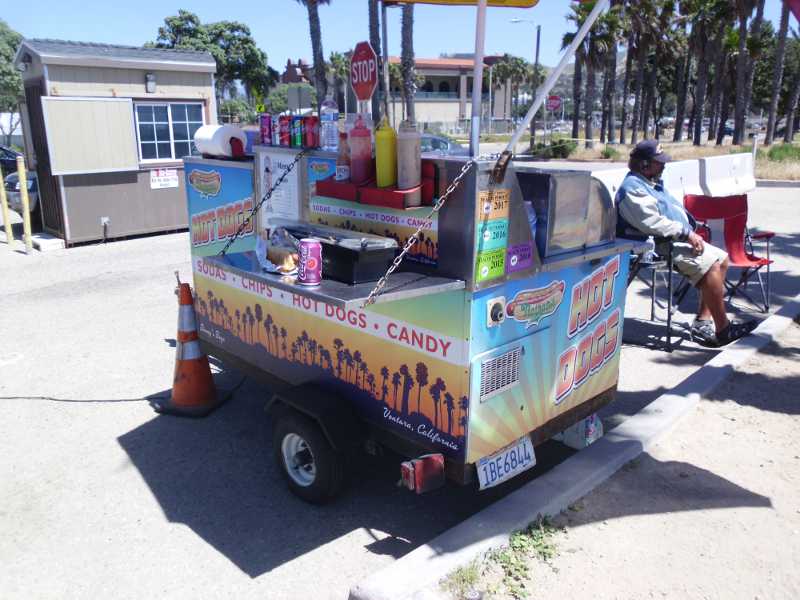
(506, 463)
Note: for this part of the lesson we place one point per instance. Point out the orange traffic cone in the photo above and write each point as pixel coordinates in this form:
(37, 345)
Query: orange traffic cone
(193, 391)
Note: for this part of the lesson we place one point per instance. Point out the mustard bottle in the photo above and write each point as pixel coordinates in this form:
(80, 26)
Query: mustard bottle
(386, 154)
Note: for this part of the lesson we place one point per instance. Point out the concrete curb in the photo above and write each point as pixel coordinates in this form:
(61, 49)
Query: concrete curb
(777, 183)
(415, 576)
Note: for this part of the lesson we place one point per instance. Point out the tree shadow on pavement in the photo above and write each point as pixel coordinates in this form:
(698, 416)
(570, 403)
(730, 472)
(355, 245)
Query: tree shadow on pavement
(217, 476)
(661, 487)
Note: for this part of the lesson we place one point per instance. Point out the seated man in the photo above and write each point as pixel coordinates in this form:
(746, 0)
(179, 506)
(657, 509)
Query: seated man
(646, 208)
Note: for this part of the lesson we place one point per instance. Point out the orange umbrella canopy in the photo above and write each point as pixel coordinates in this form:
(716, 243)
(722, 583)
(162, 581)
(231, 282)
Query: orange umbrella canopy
(508, 3)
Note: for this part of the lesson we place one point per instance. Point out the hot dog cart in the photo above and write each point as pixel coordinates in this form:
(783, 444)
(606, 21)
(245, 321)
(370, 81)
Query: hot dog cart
(491, 337)
(500, 326)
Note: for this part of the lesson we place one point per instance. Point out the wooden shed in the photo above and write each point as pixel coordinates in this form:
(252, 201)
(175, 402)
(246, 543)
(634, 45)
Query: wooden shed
(108, 127)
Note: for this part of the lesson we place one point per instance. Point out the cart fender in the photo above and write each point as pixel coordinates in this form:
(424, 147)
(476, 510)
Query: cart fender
(332, 412)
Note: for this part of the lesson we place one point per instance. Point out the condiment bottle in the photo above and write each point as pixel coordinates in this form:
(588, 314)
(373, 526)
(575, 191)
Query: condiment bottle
(385, 155)
(343, 159)
(360, 140)
(409, 161)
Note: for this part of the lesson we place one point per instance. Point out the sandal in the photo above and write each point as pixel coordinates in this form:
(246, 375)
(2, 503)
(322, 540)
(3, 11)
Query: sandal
(702, 331)
(735, 330)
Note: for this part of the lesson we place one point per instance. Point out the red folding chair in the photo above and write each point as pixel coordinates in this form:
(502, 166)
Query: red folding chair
(732, 210)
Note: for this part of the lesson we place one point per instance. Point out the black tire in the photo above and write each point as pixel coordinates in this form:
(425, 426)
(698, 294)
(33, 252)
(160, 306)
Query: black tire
(292, 431)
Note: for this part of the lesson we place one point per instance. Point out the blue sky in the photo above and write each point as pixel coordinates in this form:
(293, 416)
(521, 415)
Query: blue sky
(280, 27)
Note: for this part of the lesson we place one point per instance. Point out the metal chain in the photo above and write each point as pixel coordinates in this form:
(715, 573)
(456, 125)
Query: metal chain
(413, 238)
(266, 197)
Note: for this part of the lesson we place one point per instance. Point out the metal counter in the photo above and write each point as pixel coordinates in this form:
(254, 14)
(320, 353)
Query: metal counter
(401, 285)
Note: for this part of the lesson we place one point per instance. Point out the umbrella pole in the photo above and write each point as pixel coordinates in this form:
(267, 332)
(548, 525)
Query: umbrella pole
(477, 80)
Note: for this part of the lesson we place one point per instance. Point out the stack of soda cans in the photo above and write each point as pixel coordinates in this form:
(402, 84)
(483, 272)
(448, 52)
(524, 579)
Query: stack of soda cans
(289, 131)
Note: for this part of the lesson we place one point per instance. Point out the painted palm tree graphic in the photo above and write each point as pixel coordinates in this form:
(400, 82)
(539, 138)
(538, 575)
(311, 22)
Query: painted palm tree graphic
(392, 389)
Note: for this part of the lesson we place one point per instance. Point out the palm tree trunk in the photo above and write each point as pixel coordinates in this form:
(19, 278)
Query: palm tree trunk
(407, 59)
(649, 105)
(637, 99)
(320, 82)
(755, 34)
(702, 83)
(375, 40)
(591, 88)
(741, 73)
(724, 112)
(788, 136)
(577, 84)
(626, 83)
(777, 74)
(719, 69)
(611, 94)
(683, 90)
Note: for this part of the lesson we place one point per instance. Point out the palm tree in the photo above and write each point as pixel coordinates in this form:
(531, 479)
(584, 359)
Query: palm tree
(436, 394)
(337, 343)
(320, 82)
(348, 363)
(385, 376)
(238, 315)
(267, 324)
(284, 333)
(357, 360)
(463, 407)
(339, 71)
(450, 405)
(743, 10)
(375, 41)
(364, 370)
(422, 381)
(791, 111)
(395, 385)
(408, 383)
(407, 59)
(371, 383)
(259, 318)
(312, 349)
(275, 337)
(777, 74)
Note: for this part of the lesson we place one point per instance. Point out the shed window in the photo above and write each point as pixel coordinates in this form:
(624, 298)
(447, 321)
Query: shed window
(166, 131)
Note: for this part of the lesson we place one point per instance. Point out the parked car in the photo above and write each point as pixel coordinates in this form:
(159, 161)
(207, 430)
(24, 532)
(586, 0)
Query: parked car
(8, 160)
(15, 197)
(437, 143)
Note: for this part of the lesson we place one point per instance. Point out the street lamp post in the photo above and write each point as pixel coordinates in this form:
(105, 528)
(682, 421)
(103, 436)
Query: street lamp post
(535, 68)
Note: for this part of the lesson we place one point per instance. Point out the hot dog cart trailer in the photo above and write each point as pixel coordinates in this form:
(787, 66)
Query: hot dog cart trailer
(501, 327)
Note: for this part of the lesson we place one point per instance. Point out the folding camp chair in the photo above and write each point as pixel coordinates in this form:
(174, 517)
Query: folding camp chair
(732, 210)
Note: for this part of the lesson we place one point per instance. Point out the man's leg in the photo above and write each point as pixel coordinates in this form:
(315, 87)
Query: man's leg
(712, 295)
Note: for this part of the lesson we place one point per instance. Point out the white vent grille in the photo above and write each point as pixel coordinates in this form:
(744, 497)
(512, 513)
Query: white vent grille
(500, 373)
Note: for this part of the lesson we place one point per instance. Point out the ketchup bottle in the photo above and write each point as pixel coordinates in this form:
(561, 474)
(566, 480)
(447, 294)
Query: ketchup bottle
(360, 141)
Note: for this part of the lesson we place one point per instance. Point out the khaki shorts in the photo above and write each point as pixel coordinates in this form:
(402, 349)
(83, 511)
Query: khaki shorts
(693, 266)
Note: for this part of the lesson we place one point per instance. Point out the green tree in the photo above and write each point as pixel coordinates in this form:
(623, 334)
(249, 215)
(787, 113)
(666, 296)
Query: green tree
(339, 72)
(236, 110)
(315, 31)
(10, 80)
(278, 99)
(231, 44)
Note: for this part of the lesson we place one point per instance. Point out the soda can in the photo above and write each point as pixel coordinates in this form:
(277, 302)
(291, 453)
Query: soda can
(285, 130)
(311, 131)
(276, 128)
(297, 131)
(265, 124)
(309, 268)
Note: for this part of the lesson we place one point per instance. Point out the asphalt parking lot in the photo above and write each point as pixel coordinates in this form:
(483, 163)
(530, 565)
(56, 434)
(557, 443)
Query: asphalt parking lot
(104, 498)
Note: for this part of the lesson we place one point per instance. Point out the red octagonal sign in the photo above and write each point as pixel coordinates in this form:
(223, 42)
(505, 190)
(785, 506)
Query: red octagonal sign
(364, 71)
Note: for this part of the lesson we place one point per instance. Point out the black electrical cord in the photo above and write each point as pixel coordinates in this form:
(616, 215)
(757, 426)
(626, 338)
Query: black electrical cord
(228, 395)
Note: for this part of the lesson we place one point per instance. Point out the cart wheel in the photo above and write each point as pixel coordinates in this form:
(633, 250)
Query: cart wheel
(312, 468)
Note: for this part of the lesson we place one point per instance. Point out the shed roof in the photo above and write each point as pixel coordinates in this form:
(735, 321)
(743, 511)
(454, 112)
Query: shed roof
(90, 54)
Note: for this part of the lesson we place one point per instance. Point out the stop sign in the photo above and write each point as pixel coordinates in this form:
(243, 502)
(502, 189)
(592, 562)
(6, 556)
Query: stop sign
(553, 103)
(364, 71)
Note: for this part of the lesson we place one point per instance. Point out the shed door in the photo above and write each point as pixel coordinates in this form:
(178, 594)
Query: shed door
(90, 135)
